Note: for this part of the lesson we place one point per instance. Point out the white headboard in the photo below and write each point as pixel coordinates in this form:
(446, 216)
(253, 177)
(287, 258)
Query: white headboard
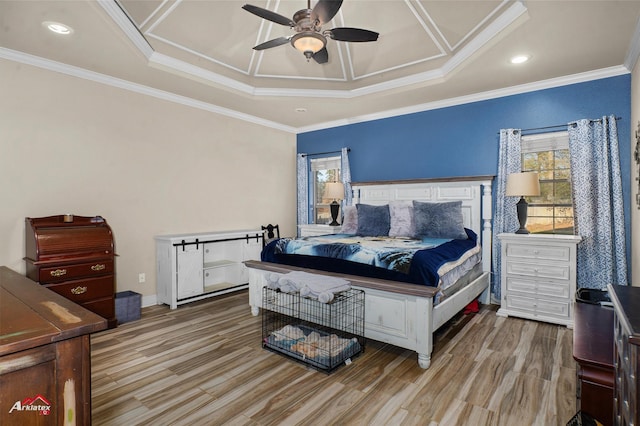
(474, 192)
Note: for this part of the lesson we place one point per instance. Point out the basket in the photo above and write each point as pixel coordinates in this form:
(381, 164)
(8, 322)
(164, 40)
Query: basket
(128, 306)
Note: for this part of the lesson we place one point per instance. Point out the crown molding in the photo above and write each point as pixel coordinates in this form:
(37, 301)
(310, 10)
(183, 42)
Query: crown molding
(73, 71)
(477, 97)
(59, 67)
(501, 23)
(179, 67)
(125, 23)
(634, 49)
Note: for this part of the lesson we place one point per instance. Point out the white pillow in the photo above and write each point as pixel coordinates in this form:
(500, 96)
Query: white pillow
(350, 220)
(402, 223)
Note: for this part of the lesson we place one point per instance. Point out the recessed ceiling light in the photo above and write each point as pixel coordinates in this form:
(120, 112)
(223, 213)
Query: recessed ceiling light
(520, 59)
(58, 28)
(301, 110)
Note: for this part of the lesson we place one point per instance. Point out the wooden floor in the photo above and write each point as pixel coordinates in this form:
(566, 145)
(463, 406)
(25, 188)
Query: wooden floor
(203, 364)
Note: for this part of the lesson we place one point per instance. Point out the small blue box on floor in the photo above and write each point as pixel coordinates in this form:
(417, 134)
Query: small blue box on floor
(128, 306)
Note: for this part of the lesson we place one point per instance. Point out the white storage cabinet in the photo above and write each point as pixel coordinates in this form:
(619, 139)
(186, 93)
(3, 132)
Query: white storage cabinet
(191, 267)
(538, 276)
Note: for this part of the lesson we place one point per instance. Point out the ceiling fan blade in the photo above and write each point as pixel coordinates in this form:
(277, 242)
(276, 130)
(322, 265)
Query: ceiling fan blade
(269, 15)
(325, 10)
(321, 56)
(352, 34)
(272, 43)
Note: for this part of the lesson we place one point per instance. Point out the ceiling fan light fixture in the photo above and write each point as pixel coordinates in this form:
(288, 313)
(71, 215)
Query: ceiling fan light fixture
(308, 42)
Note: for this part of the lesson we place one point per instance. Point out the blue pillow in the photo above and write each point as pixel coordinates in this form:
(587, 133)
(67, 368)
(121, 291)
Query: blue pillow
(373, 221)
(439, 220)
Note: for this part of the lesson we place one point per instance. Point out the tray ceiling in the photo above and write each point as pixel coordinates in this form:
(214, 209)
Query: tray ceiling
(429, 53)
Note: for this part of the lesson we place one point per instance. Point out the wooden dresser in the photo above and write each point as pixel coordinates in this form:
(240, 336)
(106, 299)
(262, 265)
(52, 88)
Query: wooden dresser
(45, 359)
(626, 342)
(593, 352)
(74, 256)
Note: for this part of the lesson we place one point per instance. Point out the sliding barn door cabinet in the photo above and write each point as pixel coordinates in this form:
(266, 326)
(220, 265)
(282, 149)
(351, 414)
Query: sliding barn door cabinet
(191, 267)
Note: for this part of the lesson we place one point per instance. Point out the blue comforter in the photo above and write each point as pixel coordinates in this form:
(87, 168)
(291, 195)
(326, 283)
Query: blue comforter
(418, 263)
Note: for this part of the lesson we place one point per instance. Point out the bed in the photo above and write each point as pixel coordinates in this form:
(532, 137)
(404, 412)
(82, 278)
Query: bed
(406, 314)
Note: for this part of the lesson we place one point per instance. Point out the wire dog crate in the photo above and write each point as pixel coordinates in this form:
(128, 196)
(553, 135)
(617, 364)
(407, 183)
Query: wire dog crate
(321, 335)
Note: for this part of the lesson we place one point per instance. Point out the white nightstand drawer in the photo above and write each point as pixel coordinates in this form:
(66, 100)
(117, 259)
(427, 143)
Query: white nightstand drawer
(521, 304)
(522, 285)
(556, 309)
(557, 271)
(537, 307)
(538, 288)
(530, 251)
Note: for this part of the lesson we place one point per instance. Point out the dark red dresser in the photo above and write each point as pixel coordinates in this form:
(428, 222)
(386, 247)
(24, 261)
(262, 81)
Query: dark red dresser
(74, 256)
(626, 339)
(45, 355)
(593, 351)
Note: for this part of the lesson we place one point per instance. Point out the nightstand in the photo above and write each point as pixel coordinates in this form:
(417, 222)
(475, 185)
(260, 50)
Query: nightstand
(312, 230)
(538, 277)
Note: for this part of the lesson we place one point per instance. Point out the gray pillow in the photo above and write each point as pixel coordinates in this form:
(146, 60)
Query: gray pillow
(373, 221)
(401, 215)
(350, 220)
(439, 220)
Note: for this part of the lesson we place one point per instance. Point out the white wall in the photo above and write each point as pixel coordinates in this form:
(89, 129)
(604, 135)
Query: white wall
(635, 213)
(149, 167)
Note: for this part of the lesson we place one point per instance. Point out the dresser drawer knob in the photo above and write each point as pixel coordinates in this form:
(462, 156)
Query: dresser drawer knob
(58, 272)
(79, 290)
(98, 267)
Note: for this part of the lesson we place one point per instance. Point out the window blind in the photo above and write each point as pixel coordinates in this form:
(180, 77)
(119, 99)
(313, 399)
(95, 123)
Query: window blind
(325, 163)
(545, 142)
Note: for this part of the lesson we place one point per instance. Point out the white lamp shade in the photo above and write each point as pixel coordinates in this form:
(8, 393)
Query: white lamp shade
(523, 184)
(334, 190)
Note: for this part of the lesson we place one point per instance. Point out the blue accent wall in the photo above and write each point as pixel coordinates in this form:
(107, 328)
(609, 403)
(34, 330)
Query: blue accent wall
(463, 140)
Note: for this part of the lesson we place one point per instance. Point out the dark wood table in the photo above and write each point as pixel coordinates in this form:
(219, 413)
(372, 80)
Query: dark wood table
(593, 351)
(45, 358)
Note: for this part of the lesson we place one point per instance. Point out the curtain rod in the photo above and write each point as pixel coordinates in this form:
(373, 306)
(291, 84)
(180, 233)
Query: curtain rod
(560, 126)
(327, 152)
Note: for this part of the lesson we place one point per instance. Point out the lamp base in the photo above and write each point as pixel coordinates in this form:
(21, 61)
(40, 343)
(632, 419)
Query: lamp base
(335, 207)
(522, 216)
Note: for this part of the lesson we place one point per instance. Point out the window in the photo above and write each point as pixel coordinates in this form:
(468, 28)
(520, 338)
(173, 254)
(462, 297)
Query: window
(322, 170)
(548, 154)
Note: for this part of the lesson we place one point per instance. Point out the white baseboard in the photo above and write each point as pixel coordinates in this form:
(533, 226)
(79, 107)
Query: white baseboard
(149, 300)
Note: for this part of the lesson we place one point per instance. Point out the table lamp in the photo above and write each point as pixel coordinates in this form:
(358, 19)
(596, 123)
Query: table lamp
(334, 190)
(522, 185)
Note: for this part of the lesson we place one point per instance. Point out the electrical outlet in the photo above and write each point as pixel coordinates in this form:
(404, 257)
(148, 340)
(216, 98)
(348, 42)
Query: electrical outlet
(142, 277)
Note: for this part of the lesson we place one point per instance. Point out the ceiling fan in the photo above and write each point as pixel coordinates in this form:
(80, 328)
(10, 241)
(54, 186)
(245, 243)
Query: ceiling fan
(309, 37)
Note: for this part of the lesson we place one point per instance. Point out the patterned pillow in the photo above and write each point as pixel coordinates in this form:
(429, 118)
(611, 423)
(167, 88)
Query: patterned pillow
(350, 220)
(401, 219)
(439, 220)
(373, 221)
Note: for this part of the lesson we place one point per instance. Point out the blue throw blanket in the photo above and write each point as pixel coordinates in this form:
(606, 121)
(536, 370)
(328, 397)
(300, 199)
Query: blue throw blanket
(388, 253)
(414, 261)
